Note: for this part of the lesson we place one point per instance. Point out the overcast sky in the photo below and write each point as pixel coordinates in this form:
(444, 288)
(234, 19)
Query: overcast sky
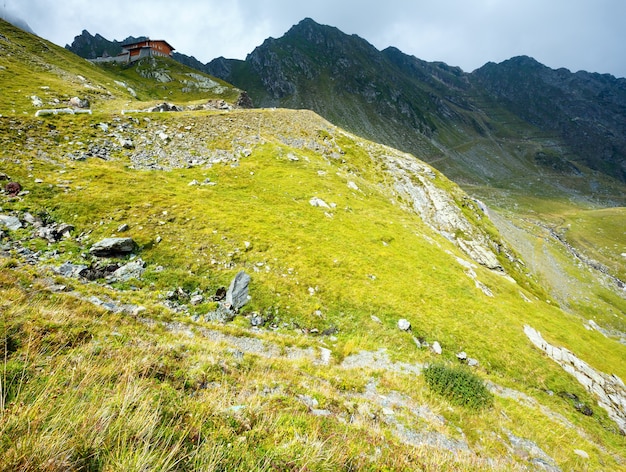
(576, 34)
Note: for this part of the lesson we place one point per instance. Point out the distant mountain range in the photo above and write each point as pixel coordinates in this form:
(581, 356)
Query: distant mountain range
(493, 125)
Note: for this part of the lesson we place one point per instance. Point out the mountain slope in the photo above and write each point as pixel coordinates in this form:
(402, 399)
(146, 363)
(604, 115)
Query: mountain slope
(588, 111)
(434, 110)
(133, 360)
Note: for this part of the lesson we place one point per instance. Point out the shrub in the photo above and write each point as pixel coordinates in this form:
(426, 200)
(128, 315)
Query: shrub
(458, 385)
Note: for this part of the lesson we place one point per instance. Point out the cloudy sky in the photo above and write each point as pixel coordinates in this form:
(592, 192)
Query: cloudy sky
(576, 34)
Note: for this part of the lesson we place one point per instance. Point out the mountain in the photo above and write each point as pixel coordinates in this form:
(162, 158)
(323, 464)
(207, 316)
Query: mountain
(587, 111)
(423, 107)
(260, 289)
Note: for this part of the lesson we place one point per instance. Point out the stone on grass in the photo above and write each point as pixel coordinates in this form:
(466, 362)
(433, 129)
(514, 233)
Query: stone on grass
(237, 294)
(318, 202)
(404, 325)
(113, 246)
(462, 356)
(437, 348)
(132, 270)
(10, 222)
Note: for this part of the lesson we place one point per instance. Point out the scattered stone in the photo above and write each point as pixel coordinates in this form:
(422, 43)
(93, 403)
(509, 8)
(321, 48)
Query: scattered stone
(309, 401)
(472, 362)
(4, 176)
(353, 186)
(256, 320)
(36, 101)
(71, 270)
(54, 232)
(193, 183)
(13, 189)
(38, 181)
(404, 325)
(581, 453)
(132, 270)
(462, 356)
(122, 228)
(318, 202)
(164, 107)
(196, 299)
(126, 143)
(164, 136)
(376, 319)
(437, 348)
(113, 246)
(10, 222)
(76, 102)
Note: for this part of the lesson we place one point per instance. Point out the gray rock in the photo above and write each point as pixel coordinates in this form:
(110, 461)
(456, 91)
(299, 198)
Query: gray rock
(113, 246)
(472, 362)
(132, 270)
(222, 314)
(437, 348)
(581, 453)
(257, 320)
(404, 325)
(10, 222)
(462, 356)
(71, 270)
(123, 227)
(318, 202)
(78, 102)
(196, 299)
(237, 294)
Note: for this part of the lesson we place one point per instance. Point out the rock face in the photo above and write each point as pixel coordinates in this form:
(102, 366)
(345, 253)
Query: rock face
(113, 246)
(439, 210)
(609, 389)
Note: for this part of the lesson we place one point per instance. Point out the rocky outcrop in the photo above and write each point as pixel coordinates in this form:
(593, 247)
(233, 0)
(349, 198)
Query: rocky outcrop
(415, 183)
(609, 389)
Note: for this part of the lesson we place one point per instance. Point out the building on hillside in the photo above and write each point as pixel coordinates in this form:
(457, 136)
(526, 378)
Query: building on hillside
(134, 51)
(148, 48)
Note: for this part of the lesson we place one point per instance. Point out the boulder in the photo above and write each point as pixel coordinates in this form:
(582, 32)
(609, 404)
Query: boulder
(71, 270)
(76, 102)
(132, 270)
(318, 202)
(404, 325)
(113, 246)
(237, 294)
(10, 222)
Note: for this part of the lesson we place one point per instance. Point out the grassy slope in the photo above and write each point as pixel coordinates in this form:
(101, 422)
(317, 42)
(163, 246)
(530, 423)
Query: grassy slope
(86, 389)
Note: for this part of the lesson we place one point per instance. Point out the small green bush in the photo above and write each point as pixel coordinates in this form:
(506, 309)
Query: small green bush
(458, 385)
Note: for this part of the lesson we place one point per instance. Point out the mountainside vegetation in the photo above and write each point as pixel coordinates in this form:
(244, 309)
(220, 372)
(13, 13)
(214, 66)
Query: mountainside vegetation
(385, 317)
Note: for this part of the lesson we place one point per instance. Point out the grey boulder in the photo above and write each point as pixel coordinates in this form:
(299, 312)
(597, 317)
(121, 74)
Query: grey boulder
(113, 246)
